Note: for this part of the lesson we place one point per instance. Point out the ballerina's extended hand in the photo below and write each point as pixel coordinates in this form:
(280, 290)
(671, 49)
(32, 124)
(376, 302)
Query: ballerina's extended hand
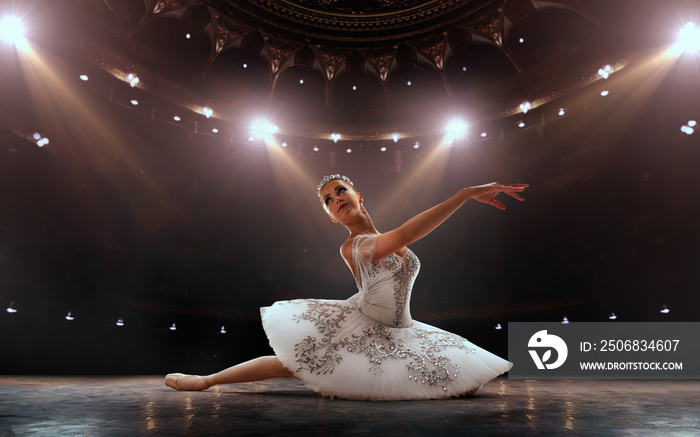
(487, 193)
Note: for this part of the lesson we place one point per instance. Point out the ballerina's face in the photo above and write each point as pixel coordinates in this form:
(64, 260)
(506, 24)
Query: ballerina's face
(340, 200)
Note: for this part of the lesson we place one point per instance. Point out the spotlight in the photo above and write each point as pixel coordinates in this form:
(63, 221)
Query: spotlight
(521, 40)
(301, 81)
(120, 322)
(223, 330)
(173, 327)
(525, 107)
(132, 79)
(521, 124)
(612, 316)
(688, 128)
(464, 68)
(417, 145)
(484, 135)
(11, 309)
(12, 31)
(134, 102)
(565, 321)
(41, 141)
(245, 65)
(688, 40)
(177, 118)
(562, 112)
(316, 149)
(408, 83)
(456, 129)
(604, 93)
(215, 130)
(383, 149)
(284, 144)
(498, 326)
(349, 150)
(70, 317)
(188, 36)
(664, 309)
(354, 87)
(604, 72)
(262, 129)
(335, 137)
(207, 111)
(84, 77)
(395, 137)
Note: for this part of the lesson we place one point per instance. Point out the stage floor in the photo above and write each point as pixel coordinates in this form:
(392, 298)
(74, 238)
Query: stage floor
(144, 406)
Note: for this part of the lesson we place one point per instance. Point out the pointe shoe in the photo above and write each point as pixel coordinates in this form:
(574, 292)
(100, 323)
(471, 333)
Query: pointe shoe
(180, 381)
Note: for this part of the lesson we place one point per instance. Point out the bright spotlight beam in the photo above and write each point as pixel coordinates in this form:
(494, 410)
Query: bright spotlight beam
(12, 31)
(263, 129)
(455, 129)
(688, 40)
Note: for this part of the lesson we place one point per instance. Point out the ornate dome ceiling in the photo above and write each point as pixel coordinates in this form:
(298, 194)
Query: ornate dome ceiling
(365, 68)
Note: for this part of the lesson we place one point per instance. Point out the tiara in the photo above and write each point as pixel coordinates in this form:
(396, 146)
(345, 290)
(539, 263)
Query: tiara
(331, 177)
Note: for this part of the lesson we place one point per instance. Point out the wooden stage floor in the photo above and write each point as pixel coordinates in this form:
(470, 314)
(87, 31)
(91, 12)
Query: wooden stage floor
(144, 406)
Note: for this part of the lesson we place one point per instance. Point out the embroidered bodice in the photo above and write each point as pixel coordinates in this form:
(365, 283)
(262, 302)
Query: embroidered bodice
(385, 285)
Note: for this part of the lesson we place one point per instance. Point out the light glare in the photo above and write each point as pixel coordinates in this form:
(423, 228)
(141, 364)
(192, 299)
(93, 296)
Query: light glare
(688, 39)
(12, 31)
(456, 129)
(263, 129)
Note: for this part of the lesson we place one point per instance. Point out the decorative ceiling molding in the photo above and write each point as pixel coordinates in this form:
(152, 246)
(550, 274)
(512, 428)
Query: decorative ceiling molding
(226, 32)
(380, 60)
(332, 61)
(292, 20)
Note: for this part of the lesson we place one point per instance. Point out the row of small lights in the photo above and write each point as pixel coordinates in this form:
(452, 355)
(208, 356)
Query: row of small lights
(612, 316)
(120, 321)
(454, 130)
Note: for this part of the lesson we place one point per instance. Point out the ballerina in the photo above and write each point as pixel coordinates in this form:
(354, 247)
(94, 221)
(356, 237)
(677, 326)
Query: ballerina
(368, 347)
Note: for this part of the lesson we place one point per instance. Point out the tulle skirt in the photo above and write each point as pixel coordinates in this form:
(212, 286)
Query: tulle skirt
(336, 350)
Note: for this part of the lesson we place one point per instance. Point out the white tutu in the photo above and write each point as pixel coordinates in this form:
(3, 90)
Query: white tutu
(367, 347)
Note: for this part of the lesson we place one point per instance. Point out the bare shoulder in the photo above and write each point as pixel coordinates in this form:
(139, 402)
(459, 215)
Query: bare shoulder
(346, 253)
(346, 249)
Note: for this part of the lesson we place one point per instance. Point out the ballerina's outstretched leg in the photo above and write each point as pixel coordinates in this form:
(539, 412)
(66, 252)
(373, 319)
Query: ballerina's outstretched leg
(257, 369)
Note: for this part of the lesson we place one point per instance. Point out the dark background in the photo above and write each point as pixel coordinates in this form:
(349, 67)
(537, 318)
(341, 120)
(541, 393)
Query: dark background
(181, 227)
